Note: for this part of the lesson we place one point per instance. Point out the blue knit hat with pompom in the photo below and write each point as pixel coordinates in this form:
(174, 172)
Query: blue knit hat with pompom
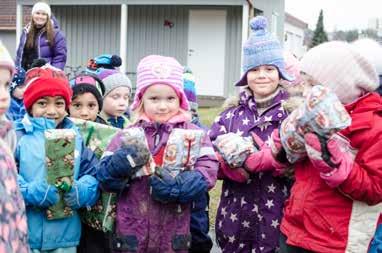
(262, 48)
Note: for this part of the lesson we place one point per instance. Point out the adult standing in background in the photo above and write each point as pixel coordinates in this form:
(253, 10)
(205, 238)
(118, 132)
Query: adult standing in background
(42, 38)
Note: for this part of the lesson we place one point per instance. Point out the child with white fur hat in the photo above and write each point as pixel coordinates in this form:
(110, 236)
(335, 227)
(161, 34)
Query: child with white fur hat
(330, 201)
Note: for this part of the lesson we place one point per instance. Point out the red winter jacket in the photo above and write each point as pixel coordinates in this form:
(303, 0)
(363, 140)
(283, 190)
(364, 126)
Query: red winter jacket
(342, 219)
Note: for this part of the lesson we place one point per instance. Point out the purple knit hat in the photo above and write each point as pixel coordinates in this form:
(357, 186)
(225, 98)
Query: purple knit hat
(157, 69)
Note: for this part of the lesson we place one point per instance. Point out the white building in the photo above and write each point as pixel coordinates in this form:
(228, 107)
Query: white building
(294, 30)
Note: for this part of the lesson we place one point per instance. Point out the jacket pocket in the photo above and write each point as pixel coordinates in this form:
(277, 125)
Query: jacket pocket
(124, 243)
(181, 242)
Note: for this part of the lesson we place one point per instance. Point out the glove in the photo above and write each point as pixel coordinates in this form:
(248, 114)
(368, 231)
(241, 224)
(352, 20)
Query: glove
(126, 161)
(269, 158)
(82, 193)
(164, 187)
(184, 188)
(42, 194)
(239, 175)
(334, 159)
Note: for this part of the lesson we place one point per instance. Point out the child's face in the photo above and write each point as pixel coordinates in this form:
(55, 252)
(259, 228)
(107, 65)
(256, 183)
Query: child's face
(50, 107)
(308, 82)
(115, 104)
(160, 103)
(263, 80)
(84, 106)
(18, 92)
(5, 78)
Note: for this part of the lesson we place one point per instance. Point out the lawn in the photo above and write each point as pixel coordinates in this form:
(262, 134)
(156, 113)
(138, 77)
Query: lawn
(207, 116)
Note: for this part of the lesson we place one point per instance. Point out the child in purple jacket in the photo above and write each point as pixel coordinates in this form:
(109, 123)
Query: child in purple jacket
(251, 203)
(153, 213)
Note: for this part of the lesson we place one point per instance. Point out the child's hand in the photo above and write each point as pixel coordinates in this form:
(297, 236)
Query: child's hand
(42, 194)
(185, 187)
(126, 161)
(83, 193)
(334, 159)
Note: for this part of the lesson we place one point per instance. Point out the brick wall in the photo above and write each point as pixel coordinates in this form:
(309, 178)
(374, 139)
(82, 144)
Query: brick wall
(8, 14)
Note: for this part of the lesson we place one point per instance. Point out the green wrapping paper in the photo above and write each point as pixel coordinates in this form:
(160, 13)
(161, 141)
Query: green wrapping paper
(59, 149)
(96, 137)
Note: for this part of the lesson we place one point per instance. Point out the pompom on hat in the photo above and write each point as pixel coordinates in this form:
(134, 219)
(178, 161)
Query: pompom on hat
(46, 81)
(41, 6)
(337, 65)
(6, 59)
(157, 69)
(262, 48)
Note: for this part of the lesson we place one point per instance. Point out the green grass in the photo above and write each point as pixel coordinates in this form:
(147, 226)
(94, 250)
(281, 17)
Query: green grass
(207, 117)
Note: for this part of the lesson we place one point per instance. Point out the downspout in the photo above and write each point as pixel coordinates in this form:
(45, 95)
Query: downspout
(123, 38)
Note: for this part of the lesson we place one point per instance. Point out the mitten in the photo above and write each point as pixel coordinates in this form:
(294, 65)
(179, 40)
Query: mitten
(126, 161)
(191, 185)
(333, 158)
(83, 193)
(269, 158)
(40, 193)
(164, 186)
(239, 175)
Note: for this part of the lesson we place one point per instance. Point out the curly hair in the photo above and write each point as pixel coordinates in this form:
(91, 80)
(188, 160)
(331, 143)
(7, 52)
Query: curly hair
(48, 28)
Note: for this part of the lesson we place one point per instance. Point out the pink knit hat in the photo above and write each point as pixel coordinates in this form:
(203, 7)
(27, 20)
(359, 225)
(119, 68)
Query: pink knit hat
(157, 69)
(338, 66)
(6, 59)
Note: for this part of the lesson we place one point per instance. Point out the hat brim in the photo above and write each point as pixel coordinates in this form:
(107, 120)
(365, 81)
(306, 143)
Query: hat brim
(283, 75)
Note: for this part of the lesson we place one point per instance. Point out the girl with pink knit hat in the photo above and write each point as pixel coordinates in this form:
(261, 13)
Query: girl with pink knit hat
(153, 212)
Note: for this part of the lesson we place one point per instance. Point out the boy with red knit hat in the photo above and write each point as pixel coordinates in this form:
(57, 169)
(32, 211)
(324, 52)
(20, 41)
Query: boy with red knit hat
(47, 98)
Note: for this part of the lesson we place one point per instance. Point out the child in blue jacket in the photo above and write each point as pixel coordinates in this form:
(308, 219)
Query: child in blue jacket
(46, 100)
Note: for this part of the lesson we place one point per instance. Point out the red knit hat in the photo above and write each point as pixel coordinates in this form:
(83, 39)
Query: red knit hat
(47, 85)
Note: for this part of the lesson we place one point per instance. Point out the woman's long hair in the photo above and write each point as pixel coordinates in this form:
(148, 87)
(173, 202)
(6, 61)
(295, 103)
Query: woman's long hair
(32, 32)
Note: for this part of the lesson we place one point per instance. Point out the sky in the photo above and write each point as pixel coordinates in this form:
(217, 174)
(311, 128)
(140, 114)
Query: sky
(338, 14)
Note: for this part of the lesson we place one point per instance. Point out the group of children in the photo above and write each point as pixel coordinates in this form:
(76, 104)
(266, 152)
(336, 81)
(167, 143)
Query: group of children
(328, 200)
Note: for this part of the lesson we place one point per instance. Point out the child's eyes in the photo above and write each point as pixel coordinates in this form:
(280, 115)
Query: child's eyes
(60, 103)
(77, 106)
(171, 98)
(92, 106)
(153, 98)
(41, 103)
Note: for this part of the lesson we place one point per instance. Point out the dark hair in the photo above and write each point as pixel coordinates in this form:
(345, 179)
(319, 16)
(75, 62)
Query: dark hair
(80, 89)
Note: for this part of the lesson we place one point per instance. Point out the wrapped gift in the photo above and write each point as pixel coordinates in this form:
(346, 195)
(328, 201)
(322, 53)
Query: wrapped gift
(137, 134)
(60, 150)
(236, 150)
(321, 113)
(96, 137)
(182, 150)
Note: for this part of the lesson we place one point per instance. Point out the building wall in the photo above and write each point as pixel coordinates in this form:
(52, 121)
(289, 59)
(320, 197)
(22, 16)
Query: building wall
(94, 30)
(294, 40)
(274, 12)
(9, 40)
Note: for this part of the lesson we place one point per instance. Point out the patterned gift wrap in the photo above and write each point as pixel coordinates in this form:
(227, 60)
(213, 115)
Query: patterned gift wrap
(96, 137)
(182, 150)
(238, 150)
(322, 113)
(60, 154)
(137, 134)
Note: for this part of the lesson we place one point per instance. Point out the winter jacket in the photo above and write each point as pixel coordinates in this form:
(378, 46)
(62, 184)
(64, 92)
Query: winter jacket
(250, 212)
(118, 122)
(16, 109)
(147, 225)
(13, 232)
(30, 154)
(343, 219)
(55, 55)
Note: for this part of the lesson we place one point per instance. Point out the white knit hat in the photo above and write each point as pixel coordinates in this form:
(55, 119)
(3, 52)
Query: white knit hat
(41, 6)
(6, 59)
(372, 50)
(340, 67)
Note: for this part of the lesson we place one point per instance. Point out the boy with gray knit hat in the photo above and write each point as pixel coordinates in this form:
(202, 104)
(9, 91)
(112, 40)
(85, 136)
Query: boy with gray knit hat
(116, 97)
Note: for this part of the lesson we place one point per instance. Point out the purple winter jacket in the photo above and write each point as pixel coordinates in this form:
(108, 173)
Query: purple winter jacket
(55, 55)
(149, 225)
(249, 213)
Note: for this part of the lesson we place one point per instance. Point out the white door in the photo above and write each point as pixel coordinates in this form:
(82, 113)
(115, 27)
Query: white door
(206, 50)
